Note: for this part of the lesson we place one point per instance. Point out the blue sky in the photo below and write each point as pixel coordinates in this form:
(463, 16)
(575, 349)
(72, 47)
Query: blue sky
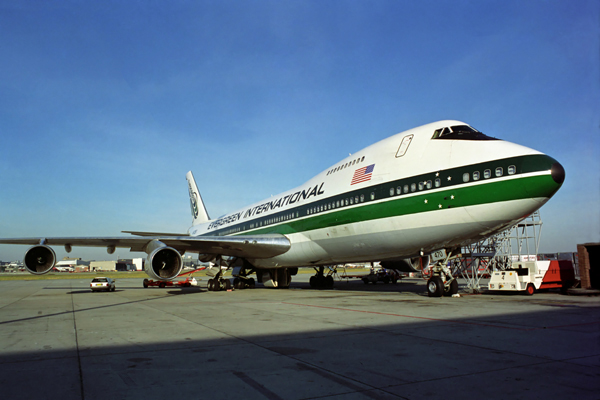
(104, 106)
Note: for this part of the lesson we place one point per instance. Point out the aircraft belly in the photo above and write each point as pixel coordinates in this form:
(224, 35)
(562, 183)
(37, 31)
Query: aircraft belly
(402, 236)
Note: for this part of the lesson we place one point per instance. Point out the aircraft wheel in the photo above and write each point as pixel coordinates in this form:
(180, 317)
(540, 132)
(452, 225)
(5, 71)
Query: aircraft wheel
(452, 289)
(530, 289)
(435, 287)
(145, 283)
(366, 281)
(251, 283)
(329, 281)
(236, 283)
(162, 285)
(227, 284)
(313, 281)
(210, 285)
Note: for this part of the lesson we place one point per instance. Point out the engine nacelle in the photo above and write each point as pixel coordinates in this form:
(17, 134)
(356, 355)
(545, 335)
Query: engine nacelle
(39, 259)
(415, 264)
(206, 258)
(164, 263)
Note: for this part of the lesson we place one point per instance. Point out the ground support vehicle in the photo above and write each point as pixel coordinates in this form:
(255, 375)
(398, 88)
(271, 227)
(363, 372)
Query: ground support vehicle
(102, 284)
(382, 275)
(529, 276)
(187, 282)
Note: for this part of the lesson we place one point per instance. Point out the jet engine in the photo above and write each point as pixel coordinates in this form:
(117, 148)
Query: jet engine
(39, 259)
(164, 263)
(415, 264)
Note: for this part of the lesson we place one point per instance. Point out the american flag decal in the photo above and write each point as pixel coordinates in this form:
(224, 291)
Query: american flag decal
(362, 174)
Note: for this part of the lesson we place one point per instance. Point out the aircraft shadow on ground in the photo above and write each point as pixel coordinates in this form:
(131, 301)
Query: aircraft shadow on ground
(405, 359)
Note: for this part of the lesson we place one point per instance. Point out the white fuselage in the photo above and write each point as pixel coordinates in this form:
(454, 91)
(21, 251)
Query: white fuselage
(423, 194)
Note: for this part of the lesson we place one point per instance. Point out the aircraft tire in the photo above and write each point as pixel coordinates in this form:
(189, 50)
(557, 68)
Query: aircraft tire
(452, 289)
(145, 283)
(329, 281)
(435, 286)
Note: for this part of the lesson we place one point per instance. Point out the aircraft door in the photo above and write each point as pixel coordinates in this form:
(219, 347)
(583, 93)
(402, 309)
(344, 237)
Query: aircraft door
(404, 145)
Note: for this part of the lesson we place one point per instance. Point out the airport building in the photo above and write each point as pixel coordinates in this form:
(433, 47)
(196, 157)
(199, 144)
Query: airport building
(119, 265)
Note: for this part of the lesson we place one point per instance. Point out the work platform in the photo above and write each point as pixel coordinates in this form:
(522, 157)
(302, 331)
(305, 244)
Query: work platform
(60, 340)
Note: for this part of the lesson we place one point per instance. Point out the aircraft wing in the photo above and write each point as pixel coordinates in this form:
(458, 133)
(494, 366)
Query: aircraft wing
(256, 246)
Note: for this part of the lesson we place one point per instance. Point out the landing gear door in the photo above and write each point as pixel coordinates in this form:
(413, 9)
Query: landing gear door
(404, 145)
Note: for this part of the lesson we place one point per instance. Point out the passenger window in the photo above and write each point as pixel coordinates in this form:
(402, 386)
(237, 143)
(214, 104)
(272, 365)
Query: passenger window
(362, 159)
(391, 191)
(438, 182)
(351, 202)
(476, 175)
(405, 188)
(512, 170)
(466, 177)
(413, 187)
(421, 185)
(398, 190)
(372, 195)
(487, 174)
(337, 203)
(362, 198)
(355, 199)
(429, 185)
(347, 202)
(499, 171)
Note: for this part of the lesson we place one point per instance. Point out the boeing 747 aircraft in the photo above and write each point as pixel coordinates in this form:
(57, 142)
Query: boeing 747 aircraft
(431, 189)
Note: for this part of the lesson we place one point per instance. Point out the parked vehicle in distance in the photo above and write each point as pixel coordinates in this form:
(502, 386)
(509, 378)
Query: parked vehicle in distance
(381, 275)
(102, 283)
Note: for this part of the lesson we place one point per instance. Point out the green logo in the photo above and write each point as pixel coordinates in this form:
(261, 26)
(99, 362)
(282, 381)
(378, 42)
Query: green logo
(193, 202)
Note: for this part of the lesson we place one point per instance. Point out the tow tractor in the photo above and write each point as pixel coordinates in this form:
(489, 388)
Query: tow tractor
(187, 282)
(530, 276)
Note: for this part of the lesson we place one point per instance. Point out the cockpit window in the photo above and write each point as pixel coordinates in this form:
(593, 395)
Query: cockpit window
(460, 132)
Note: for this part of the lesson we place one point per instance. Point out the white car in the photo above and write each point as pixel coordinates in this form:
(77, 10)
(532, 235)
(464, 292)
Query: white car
(102, 283)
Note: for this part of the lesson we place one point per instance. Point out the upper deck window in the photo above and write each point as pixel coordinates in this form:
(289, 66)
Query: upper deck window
(460, 132)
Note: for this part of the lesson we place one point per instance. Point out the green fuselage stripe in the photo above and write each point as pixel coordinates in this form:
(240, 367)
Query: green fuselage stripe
(486, 193)
(384, 201)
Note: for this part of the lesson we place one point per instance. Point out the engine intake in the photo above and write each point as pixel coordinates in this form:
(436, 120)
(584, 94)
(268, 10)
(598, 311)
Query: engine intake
(164, 263)
(39, 259)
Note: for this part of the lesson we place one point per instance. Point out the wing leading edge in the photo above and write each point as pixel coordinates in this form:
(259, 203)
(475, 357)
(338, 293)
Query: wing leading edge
(257, 246)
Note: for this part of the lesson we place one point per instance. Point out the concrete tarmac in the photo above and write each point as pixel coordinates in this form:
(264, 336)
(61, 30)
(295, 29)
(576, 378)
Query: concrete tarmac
(58, 340)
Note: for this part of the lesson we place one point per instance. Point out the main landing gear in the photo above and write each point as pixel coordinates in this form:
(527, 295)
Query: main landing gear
(241, 279)
(218, 283)
(320, 280)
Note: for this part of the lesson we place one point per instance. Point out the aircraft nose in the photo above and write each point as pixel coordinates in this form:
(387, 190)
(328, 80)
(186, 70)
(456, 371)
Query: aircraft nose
(558, 173)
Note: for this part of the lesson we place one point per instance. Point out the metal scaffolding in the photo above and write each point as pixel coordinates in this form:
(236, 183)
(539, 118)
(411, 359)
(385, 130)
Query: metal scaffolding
(519, 243)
